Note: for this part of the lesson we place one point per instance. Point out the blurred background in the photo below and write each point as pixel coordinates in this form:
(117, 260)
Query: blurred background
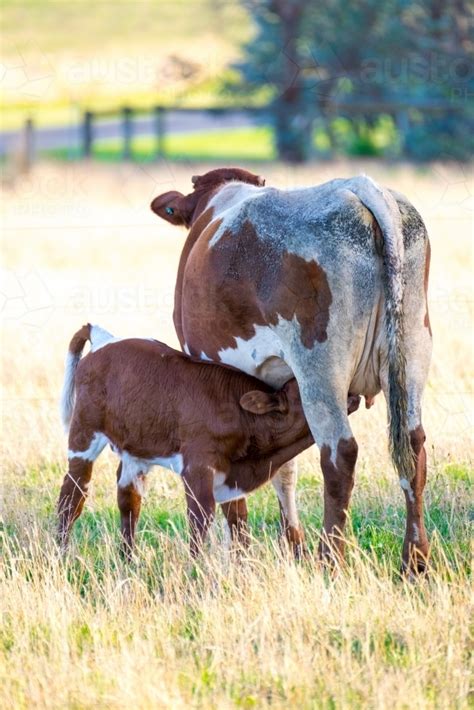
(228, 80)
(107, 104)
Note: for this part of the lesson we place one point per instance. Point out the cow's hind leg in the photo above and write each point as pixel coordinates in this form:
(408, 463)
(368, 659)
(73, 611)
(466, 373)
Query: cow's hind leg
(129, 500)
(284, 482)
(415, 546)
(325, 406)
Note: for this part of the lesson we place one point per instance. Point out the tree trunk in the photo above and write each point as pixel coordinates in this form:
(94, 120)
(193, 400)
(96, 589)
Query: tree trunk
(292, 126)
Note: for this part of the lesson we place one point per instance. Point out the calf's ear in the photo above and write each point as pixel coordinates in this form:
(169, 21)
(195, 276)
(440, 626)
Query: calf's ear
(171, 206)
(259, 402)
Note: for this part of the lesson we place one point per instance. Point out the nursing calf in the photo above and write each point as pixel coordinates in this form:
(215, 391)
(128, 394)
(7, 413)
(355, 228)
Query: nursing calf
(224, 432)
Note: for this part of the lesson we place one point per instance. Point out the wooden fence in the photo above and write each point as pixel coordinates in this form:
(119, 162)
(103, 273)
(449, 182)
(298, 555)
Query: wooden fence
(127, 116)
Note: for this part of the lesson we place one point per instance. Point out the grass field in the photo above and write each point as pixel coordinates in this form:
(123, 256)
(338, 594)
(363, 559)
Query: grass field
(107, 54)
(92, 632)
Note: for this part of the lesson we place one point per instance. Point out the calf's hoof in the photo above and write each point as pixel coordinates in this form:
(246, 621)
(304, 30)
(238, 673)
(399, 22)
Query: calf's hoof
(293, 539)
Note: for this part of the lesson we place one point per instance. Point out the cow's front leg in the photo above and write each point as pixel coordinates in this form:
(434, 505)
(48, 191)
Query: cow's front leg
(284, 482)
(199, 487)
(415, 546)
(235, 512)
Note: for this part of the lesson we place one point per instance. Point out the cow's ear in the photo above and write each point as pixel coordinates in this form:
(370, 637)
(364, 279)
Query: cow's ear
(171, 206)
(259, 402)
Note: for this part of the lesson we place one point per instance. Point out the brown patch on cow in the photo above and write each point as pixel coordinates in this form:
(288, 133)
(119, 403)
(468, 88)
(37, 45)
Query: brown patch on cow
(242, 282)
(302, 291)
(201, 224)
(427, 275)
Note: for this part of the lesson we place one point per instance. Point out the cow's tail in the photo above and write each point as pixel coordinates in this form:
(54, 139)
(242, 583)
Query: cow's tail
(74, 354)
(385, 210)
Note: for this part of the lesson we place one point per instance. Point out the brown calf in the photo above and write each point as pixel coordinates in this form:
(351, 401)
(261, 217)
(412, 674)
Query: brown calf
(225, 433)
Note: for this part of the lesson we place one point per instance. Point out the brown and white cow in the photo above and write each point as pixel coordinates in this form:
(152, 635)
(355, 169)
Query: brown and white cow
(327, 284)
(224, 432)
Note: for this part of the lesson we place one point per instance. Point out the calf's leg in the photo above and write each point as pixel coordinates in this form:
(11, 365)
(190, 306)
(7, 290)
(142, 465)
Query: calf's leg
(235, 512)
(72, 496)
(199, 487)
(129, 500)
(84, 447)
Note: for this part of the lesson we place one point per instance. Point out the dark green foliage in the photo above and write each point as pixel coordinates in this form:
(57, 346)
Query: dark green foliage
(407, 59)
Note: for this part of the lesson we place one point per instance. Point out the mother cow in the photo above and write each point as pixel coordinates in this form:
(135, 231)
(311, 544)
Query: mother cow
(327, 283)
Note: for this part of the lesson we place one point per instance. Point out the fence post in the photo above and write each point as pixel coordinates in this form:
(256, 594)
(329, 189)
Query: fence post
(28, 145)
(87, 134)
(160, 130)
(127, 114)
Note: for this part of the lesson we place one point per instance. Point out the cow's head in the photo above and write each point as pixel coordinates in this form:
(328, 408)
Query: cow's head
(182, 209)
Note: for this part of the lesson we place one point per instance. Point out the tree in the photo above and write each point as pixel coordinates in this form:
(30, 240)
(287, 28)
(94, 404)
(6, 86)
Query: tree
(374, 55)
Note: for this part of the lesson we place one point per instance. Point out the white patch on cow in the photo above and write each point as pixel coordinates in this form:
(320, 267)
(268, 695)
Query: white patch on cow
(222, 492)
(416, 533)
(251, 356)
(186, 349)
(100, 337)
(98, 443)
(205, 357)
(405, 484)
(227, 203)
(133, 466)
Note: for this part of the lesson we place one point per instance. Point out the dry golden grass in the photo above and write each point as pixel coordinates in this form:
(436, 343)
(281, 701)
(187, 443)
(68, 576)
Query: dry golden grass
(81, 245)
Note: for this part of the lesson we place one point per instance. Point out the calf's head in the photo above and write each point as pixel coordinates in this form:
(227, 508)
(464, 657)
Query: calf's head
(281, 420)
(182, 209)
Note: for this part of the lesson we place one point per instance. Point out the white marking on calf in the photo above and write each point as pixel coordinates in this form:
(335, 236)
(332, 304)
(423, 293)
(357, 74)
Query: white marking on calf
(98, 443)
(100, 337)
(416, 532)
(186, 349)
(132, 467)
(285, 490)
(405, 484)
(223, 493)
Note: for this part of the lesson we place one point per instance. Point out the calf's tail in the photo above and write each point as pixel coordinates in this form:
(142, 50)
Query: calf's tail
(76, 347)
(385, 210)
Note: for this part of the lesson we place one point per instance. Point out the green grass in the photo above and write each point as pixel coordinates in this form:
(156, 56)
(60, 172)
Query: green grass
(376, 526)
(237, 145)
(91, 630)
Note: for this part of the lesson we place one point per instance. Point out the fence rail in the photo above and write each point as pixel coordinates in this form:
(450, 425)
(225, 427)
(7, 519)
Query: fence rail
(85, 134)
